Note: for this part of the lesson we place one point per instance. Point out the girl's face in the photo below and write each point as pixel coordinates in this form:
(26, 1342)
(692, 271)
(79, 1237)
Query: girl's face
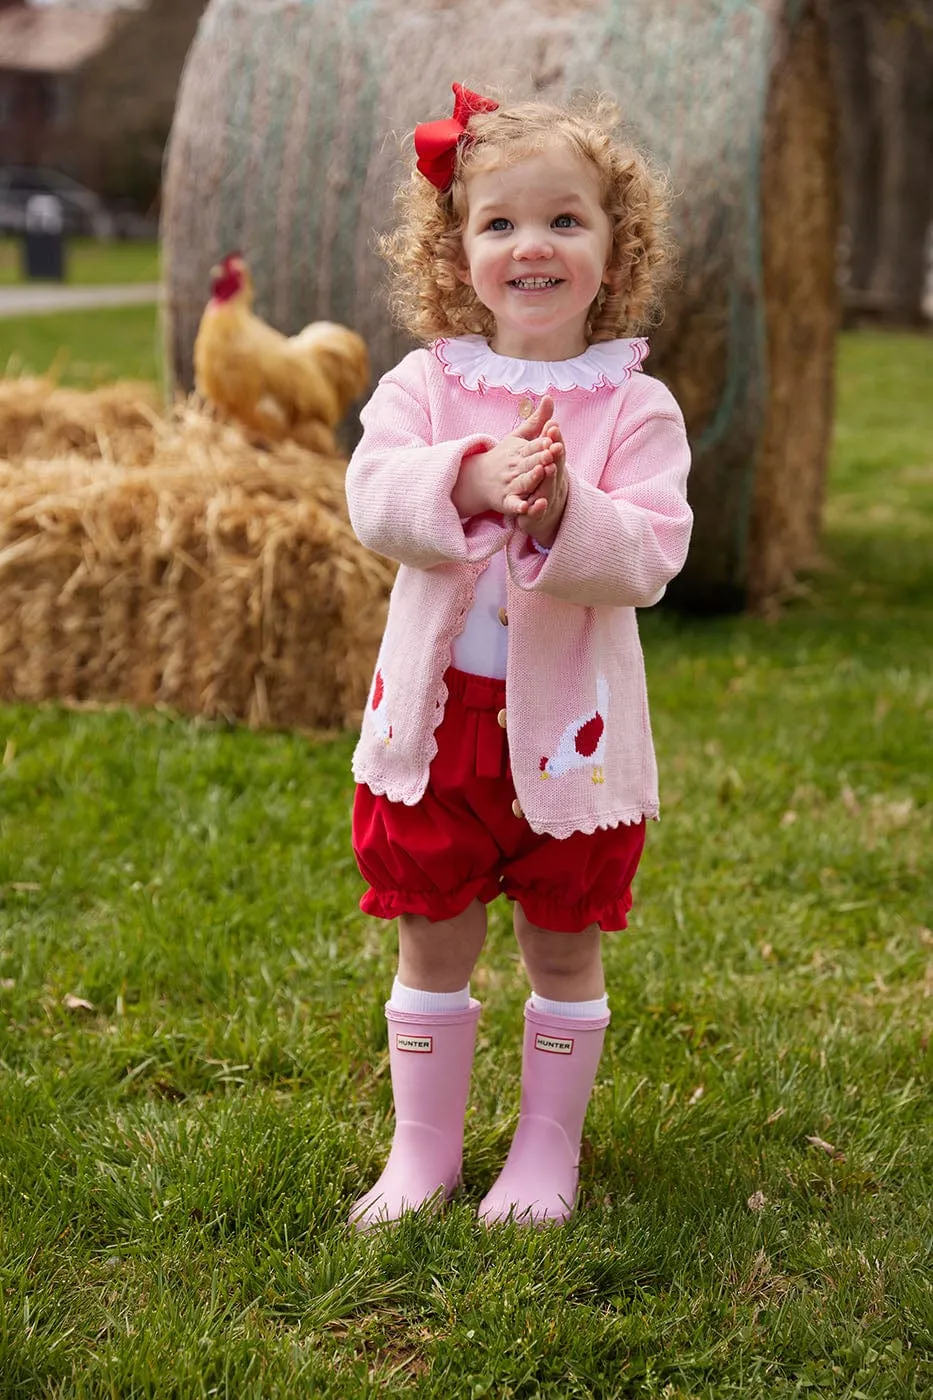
(535, 246)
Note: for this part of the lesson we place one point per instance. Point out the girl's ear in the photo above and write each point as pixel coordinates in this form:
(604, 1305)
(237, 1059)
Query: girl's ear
(462, 270)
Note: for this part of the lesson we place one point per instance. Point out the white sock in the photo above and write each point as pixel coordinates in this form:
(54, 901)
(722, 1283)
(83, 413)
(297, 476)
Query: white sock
(575, 1010)
(411, 999)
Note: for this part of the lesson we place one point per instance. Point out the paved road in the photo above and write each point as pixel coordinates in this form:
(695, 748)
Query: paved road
(46, 297)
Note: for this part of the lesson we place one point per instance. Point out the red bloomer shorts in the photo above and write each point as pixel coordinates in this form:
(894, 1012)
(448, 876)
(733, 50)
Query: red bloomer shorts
(463, 841)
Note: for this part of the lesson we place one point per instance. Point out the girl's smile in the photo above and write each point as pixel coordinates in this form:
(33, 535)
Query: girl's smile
(536, 245)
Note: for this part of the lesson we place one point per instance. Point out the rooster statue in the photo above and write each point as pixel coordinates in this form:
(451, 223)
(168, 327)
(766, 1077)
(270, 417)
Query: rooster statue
(277, 386)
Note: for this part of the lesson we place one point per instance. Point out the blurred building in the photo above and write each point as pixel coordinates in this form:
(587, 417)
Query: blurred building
(88, 88)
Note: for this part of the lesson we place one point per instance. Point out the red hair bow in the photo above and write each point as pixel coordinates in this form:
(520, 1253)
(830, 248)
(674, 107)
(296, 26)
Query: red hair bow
(436, 142)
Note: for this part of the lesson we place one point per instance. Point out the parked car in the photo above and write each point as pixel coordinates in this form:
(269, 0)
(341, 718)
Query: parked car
(83, 212)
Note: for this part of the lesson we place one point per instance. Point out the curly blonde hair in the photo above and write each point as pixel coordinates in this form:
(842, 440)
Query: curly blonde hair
(425, 250)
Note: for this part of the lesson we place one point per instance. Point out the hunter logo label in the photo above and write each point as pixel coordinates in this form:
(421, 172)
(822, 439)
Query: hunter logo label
(415, 1044)
(553, 1046)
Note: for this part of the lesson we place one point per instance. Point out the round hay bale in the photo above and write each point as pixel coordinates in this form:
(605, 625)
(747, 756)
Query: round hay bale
(286, 144)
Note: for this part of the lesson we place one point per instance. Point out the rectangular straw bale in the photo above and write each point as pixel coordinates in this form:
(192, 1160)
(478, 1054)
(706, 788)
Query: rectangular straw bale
(40, 420)
(214, 578)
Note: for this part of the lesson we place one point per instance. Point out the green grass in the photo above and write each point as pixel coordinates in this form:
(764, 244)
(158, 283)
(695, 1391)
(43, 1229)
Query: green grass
(177, 1161)
(84, 348)
(89, 262)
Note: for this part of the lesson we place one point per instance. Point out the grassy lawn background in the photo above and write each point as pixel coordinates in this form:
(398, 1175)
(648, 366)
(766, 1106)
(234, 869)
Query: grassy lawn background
(89, 262)
(178, 1156)
(84, 348)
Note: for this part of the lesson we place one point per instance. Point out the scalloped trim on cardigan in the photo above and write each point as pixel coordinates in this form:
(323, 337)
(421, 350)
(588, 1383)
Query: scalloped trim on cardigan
(468, 359)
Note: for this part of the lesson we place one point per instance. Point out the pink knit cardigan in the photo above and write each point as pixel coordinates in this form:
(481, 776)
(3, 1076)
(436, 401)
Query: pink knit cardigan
(577, 713)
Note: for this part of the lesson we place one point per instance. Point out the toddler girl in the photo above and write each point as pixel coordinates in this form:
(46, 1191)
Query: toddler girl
(530, 481)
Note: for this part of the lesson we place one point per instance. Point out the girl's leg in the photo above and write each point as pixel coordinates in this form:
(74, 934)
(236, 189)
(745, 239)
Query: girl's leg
(432, 1032)
(440, 957)
(565, 1024)
(561, 966)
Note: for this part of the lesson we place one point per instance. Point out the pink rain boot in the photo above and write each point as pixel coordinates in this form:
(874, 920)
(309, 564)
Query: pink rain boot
(430, 1057)
(538, 1184)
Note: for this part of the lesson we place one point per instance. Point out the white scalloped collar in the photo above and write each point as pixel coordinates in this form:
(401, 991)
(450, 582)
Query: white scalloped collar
(604, 365)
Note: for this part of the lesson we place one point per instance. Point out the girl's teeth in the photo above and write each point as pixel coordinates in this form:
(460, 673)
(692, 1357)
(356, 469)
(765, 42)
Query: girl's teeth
(532, 282)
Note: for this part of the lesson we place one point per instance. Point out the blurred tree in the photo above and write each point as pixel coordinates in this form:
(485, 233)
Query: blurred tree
(882, 53)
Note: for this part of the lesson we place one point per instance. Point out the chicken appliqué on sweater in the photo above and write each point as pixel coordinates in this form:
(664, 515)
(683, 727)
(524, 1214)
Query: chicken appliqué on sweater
(577, 720)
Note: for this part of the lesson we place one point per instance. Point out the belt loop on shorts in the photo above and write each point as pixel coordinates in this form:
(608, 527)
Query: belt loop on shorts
(482, 692)
(485, 695)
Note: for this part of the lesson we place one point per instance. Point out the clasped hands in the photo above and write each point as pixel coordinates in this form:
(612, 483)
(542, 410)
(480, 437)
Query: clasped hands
(524, 475)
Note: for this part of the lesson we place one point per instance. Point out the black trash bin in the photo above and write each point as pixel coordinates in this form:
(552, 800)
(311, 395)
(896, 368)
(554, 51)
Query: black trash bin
(44, 239)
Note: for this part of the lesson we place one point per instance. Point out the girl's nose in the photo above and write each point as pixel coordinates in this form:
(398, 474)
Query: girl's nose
(532, 244)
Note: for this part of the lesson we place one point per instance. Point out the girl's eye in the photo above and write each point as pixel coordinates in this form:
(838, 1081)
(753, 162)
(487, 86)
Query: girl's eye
(565, 221)
(499, 225)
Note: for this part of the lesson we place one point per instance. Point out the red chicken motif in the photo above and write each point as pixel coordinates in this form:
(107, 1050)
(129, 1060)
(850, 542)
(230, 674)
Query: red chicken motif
(378, 711)
(583, 742)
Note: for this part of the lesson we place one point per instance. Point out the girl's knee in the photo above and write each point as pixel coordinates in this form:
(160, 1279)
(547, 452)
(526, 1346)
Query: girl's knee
(440, 956)
(551, 954)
